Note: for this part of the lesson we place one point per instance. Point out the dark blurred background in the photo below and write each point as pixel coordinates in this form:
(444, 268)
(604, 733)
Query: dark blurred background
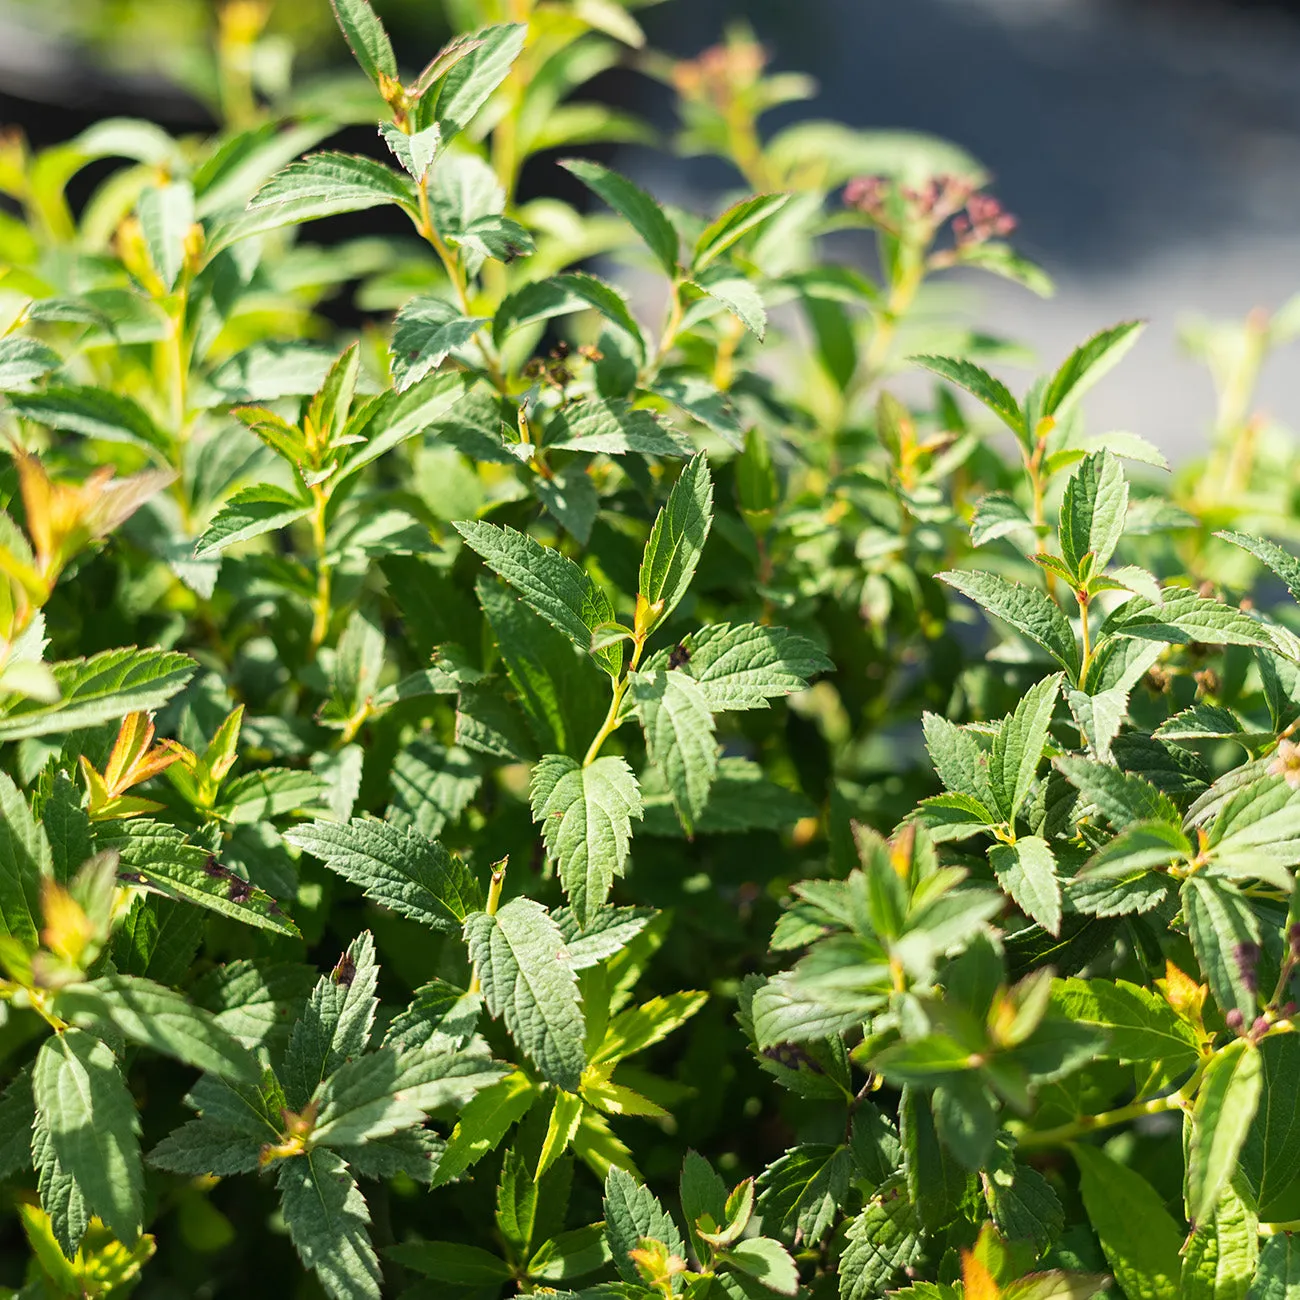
(1151, 148)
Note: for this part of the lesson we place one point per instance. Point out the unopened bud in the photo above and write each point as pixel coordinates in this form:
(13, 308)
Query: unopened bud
(1234, 1020)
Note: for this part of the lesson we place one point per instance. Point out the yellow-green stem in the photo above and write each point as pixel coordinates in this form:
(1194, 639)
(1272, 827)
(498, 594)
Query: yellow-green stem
(1087, 640)
(321, 605)
(667, 338)
(610, 725)
(1086, 1124)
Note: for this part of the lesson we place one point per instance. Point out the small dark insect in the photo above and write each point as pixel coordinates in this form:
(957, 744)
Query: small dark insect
(345, 972)
(681, 655)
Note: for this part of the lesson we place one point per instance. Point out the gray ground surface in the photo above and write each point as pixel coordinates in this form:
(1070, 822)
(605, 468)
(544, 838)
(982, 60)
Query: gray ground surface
(1151, 150)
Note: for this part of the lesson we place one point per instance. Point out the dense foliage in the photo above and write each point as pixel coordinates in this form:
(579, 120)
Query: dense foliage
(521, 799)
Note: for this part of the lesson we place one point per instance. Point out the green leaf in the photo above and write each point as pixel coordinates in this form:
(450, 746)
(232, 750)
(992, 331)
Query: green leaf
(440, 1015)
(641, 212)
(25, 864)
(883, 1240)
(1094, 511)
(551, 584)
(586, 817)
(17, 1114)
(335, 1025)
(1220, 1257)
(561, 295)
(23, 360)
(483, 1123)
(802, 1190)
(640, 1027)
(272, 792)
(935, 1182)
(1027, 871)
(678, 727)
(1140, 1239)
(736, 221)
(997, 514)
(1184, 617)
(566, 1115)
(523, 967)
(366, 38)
(166, 215)
(740, 798)
(432, 785)
(467, 85)
(103, 688)
(1087, 364)
(965, 1118)
(1018, 746)
(559, 689)
(252, 511)
(93, 413)
(572, 497)
(570, 1254)
(412, 1152)
(704, 1196)
(614, 427)
(492, 235)
(676, 542)
(329, 1224)
(1225, 936)
(1258, 821)
(1138, 1023)
(516, 1206)
(633, 1212)
(425, 331)
(388, 421)
(1278, 1275)
(980, 384)
(451, 1262)
(744, 666)
(1022, 1203)
(415, 151)
(323, 185)
(399, 868)
(768, 1262)
(1027, 610)
(1226, 1102)
(158, 857)
(960, 759)
(1283, 563)
(160, 1018)
(609, 931)
(255, 1002)
(382, 1093)
(1121, 797)
(92, 1126)
(60, 1194)
(740, 297)
(1270, 1156)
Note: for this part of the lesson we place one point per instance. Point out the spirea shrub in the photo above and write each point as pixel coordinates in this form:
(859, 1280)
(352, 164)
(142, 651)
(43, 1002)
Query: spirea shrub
(572, 785)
